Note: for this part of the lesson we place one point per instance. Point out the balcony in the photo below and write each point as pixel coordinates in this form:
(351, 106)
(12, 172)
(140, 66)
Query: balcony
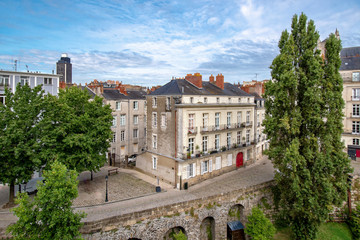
(355, 98)
(352, 115)
(248, 123)
(210, 151)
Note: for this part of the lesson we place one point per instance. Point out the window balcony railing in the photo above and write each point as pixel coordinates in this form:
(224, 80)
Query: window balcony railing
(355, 115)
(248, 124)
(355, 98)
(198, 153)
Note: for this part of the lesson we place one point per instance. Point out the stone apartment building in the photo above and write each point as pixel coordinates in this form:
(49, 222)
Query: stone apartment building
(197, 130)
(350, 72)
(10, 79)
(129, 123)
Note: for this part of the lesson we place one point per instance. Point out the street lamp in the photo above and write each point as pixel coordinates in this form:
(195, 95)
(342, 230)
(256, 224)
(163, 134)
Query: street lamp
(179, 174)
(106, 194)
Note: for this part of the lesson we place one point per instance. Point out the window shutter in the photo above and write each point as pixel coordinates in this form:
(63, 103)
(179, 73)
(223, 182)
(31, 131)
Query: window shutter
(218, 163)
(202, 168)
(229, 159)
(188, 171)
(210, 165)
(194, 169)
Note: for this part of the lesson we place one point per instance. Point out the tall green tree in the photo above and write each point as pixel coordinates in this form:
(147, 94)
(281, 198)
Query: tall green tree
(49, 215)
(20, 121)
(76, 130)
(259, 227)
(304, 124)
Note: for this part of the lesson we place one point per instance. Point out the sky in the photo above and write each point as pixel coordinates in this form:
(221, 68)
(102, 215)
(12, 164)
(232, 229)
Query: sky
(149, 42)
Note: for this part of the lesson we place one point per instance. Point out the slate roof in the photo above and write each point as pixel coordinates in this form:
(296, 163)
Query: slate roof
(257, 96)
(91, 93)
(350, 58)
(116, 95)
(183, 87)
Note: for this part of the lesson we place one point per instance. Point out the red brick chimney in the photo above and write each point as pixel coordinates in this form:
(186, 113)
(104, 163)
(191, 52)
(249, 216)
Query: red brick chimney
(211, 79)
(195, 79)
(220, 81)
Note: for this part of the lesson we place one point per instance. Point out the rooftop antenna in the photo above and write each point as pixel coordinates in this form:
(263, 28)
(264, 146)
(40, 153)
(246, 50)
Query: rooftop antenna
(256, 76)
(15, 65)
(27, 68)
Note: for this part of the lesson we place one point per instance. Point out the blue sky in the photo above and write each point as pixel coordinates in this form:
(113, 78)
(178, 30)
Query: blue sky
(148, 42)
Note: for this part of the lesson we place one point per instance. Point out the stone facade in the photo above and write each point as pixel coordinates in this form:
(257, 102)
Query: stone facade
(191, 216)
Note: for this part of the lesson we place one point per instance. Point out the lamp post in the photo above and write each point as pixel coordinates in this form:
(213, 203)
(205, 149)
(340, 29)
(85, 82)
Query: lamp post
(179, 174)
(106, 194)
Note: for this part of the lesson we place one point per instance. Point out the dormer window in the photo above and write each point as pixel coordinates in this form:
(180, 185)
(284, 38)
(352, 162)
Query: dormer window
(191, 100)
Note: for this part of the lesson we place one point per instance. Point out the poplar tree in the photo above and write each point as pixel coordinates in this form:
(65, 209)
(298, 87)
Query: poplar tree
(304, 125)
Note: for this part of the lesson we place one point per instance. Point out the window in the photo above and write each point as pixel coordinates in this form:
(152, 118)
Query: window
(4, 80)
(122, 135)
(217, 100)
(356, 110)
(154, 102)
(205, 121)
(238, 137)
(355, 141)
(205, 144)
(135, 105)
(114, 121)
(2, 100)
(135, 133)
(217, 163)
(356, 76)
(154, 141)
(154, 162)
(191, 100)
(154, 119)
(356, 127)
(191, 168)
(136, 119)
(247, 137)
(114, 137)
(258, 135)
(24, 80)
(258, 119)
(168, 103)
(217, 142)
(205, 99)
(191, 146)
(118, 105)
(229, 159)
(228, 140)
(228, 119)
(239, 118)
(122, 119)
(356, 94)
(204, 167)
(191, 121)
(217, 120)
(163, 120)
(48, 81)
(248, 154)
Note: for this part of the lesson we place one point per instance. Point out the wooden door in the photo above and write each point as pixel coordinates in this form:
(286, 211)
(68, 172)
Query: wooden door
(239, 160)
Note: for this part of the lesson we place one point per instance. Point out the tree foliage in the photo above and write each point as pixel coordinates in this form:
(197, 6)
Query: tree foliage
(49, 215)
(20, 121)
(179, 236)
(259, 226)
(304, 124)
(76, 130)
(354, 222)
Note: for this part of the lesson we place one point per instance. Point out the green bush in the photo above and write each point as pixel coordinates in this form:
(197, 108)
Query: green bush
(259, 226)
(354, 222)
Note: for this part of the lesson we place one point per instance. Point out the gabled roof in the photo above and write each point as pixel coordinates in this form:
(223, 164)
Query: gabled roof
(350, 58)
(90, 92)
(183, 87)
(133, 94)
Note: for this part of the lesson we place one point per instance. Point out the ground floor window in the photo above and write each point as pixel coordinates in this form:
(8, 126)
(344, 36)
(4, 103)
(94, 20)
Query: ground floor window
(356, 141)
(248, 154)
(154, 162)
(206, 166)
(217, 163)
(191, 168)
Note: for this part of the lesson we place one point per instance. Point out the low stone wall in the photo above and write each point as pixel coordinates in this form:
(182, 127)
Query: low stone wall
(155, 223)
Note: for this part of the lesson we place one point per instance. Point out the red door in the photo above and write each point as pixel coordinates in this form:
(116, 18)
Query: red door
(239, 160)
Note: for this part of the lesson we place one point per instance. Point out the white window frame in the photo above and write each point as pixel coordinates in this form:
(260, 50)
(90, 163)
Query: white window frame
(191, 121)
(228, 140)
(154, 119)
(247, 137)
(154, 140)
(356, 110)
(356, 94)
(154, 162)
(204, 167)
(228, 119)
(114, 121)
(4, 80)
(205, 121)
(217, 142)
(205, 144)
(135, 105)
(191, 145)
(122, 135)
(122, 119)
(163, 120)
(356, 76)
(217, 120)
(136, 119)
(247, 117)
(356, 141)
(239, 118)
(118, 105)
(154, 102)
(191, 170)
(229, 159)
(238, 137)
(47, 81)
(217, 163)
(356, 127)
(135, 133)
(24, 80)
(114, 137)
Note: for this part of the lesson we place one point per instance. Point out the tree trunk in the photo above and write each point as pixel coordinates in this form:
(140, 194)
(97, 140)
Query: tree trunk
(91, 175)
(12, 194)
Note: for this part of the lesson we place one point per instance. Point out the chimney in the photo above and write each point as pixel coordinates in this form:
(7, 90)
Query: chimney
(220, 81)
(195, 79)
(211, 79)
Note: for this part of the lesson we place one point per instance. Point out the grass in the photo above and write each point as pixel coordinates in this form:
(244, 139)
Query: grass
(333, 231)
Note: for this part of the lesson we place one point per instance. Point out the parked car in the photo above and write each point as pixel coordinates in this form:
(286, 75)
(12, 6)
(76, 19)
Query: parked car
(131, 158)
(31, 186)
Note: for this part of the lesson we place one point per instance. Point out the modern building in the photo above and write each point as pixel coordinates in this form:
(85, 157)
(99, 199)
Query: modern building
(10, 79)
(64, 68)
(350, 72)
(197, 130)
(129, 123)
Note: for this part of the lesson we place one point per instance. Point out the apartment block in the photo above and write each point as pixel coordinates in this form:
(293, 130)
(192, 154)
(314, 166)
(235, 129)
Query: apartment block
(197, 130)
(10, 79)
